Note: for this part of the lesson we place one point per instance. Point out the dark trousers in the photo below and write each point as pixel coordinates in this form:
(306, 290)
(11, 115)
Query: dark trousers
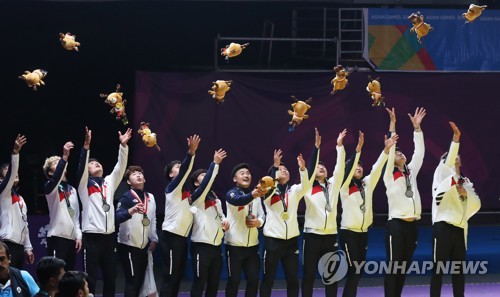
(400, 243)
(286, 251)
(206, 260)
(62, 248)
(449, 245)
(100, 250)
(134, 262)
(174, 255)
(16, 254)
(315, 246)
(246, 259)
(354, 245)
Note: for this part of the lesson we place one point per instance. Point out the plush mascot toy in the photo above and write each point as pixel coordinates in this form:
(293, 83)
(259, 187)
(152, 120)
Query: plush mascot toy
(232, 50)
(219, 90)
(419, 27)
(115, 100)
(266, 183)
(148, 137)
(375, 91)
(299, 112)
(34, 79)
(473, 12)
(68, 41)
(340, 80)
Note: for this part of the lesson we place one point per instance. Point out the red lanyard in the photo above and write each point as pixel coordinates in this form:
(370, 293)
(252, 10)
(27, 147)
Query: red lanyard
(103, 191)
(146, 198)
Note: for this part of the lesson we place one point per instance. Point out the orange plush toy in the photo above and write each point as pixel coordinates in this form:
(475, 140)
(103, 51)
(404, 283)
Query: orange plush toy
(419, 27)
(375, 91)
(115, 100)
(266, 183)
(219, 90)
(299, 112)
(68, 41)
(148, 137)
(232, 50)
(340, 80)
(473, 12)
(34, 79)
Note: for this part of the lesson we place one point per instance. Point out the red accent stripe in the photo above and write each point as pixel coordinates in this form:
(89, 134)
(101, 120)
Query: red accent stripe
(398, 174)
(316, 189)
(453, 182)
(92, 190)
(240, 208)
(15, 198)
(275, 198)
(353, 189)
(209, 203)
(185, 194)
(61, 195)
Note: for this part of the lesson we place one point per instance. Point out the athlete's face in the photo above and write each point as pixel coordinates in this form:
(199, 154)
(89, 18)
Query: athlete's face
(136, 180)
(175, 171)
(321, 172)
(95, 169)
(399, 159)
(243, 178)
(358, 172)
(284, 174)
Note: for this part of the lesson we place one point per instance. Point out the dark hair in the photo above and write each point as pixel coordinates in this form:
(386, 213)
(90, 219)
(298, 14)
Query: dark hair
(71, 282)
(5, 247)
(48, 267)
(169, 167)
(93, 160)
(270, 170)
(131, 169)
(238, 167)
(321, 163)
(398, 149)
(195, 175)
(2, 167)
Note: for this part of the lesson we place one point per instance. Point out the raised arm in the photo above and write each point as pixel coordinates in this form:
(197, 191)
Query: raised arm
(56, 178)
(11, 174)
(379, 164)
(339, 171)
(353, 161)
(454, 146)
(313, 161)
(274, 171)
(186, 165)
(208, 180)
(83, 169)
(418, 138)
(121, 165)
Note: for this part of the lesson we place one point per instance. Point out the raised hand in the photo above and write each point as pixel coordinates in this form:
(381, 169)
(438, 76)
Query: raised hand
(317, 142)
(301, 162)
(456, 132)
(341, 137)
(88, 137)
(124, 138)
(193, 142)
(392, 114)
(361, 141)
(258, 192)
(417, 118)
(66, 148)
(18, 143)
(219, 156)
(138, 208)
(277, 157)
(389, 142)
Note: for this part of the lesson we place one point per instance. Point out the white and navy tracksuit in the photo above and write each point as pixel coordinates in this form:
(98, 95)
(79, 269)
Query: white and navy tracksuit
(98, 226)
(134, 237)
(206, 238)
(175, 229)
(320, 226)
(281, 236)
(64, 229)
(14, 217)
(242, 243)
(450, 214)
(402, 227)
(357, 216)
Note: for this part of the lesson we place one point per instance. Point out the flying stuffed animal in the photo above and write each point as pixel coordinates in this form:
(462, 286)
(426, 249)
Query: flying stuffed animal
(473, 12)
(340, 80)
(232, 50)
(148, 137)
(68, 41)
(115, 100)
(266, 183)
(219, 90)
(375, 91)
(419, 27)
(299, 112)
(34, 79)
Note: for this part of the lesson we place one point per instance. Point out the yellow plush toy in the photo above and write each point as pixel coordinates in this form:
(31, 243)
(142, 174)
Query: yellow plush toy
(473, 12)
(68, 41)
(148, 137)
(115, 100)
(375, 91)
(232, 50)
(219, 90)
(34, 79)
(299, 112)
(340, 80)
(419, 27)
(266, 183)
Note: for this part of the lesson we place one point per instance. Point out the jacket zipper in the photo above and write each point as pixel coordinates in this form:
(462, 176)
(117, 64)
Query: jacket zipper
(326, 218)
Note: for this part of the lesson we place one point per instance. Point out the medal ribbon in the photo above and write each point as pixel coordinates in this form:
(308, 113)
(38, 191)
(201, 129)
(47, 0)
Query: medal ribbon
(146, 198)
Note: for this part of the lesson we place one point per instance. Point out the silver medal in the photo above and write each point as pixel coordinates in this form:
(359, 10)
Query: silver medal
(146, 221)
(106, 207)
(328, 207)
(409, 193)
(71, 212)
